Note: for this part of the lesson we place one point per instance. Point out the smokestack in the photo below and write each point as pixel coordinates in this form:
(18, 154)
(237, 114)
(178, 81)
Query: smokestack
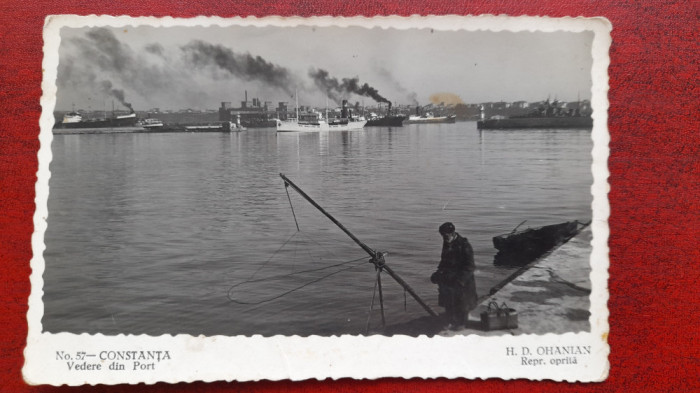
(246, 96)
(344, 109)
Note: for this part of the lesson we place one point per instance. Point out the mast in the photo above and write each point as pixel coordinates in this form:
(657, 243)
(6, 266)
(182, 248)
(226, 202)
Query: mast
(377, 257)
(578, 101)
(296, 105)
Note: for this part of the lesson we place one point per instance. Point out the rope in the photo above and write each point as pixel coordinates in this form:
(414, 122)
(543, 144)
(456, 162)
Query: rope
(313, 240)
(272, 256)
(286, 189)
(294, 289)
(298, 272)
(296, 222)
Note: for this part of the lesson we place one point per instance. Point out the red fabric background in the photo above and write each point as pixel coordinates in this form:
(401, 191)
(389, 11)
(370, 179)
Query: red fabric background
(654, 163)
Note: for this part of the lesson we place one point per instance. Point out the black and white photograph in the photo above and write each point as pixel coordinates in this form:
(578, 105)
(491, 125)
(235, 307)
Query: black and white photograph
(323, 179)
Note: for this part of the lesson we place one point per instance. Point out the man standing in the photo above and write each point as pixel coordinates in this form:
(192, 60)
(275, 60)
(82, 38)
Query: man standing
(455, 276)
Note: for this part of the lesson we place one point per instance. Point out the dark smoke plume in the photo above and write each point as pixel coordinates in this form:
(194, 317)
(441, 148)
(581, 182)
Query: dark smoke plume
(108, 52)
(112, 56)
(244, 66)
(387, 76)
(116, 93)
(102, 51)
(341, 89)
(79, 77)
(99, 58)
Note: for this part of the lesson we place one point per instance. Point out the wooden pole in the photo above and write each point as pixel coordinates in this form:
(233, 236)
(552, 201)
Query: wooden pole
(409, 290)
(381, 296)
(377, 257)
(370, 251)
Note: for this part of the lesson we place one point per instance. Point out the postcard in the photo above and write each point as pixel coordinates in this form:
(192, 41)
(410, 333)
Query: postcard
(272, 198)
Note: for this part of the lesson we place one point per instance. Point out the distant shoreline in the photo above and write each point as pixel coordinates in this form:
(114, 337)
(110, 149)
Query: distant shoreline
(129, 130)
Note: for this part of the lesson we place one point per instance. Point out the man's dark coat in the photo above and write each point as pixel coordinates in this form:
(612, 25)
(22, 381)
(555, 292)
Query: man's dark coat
(455, 279)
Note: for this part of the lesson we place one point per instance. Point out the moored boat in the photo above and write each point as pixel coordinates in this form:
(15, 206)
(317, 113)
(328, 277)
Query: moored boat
(428, 118)
(387, 120)
(205, 127)
(308, 124)
(314, 122)
(76, 120)
(152, 124)
(221, 126)
(518, 248)
(581, 122)
(548, 115)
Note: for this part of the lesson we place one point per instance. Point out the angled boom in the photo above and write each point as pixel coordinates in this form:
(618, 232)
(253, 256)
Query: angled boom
(377, 257)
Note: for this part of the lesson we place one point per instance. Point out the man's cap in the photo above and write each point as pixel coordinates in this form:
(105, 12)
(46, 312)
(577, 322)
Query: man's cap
(446, 228)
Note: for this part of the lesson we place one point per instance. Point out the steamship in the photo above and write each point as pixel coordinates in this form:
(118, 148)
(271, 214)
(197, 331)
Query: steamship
(548, 115)
(76, 120)
(388, 120)
(581, 122)
(314, 122)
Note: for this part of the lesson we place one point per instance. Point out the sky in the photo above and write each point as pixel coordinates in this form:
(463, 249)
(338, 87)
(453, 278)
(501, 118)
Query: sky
(199, 67)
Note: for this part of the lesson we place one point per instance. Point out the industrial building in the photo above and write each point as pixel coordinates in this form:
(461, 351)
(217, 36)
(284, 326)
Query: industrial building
(254, 114)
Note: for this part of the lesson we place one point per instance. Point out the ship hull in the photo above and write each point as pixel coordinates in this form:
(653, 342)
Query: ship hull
(535, 122)
(520, 248)
(224, 126)
(292, 126)
(258, 123)
(114, 122)
(387, 121)
(431, 120)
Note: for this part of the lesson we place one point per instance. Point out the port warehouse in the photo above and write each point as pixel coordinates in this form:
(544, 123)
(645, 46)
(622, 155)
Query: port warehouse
(257, 113)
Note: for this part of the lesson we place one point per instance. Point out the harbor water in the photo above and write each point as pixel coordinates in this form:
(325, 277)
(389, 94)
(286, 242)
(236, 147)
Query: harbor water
(195, 233)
